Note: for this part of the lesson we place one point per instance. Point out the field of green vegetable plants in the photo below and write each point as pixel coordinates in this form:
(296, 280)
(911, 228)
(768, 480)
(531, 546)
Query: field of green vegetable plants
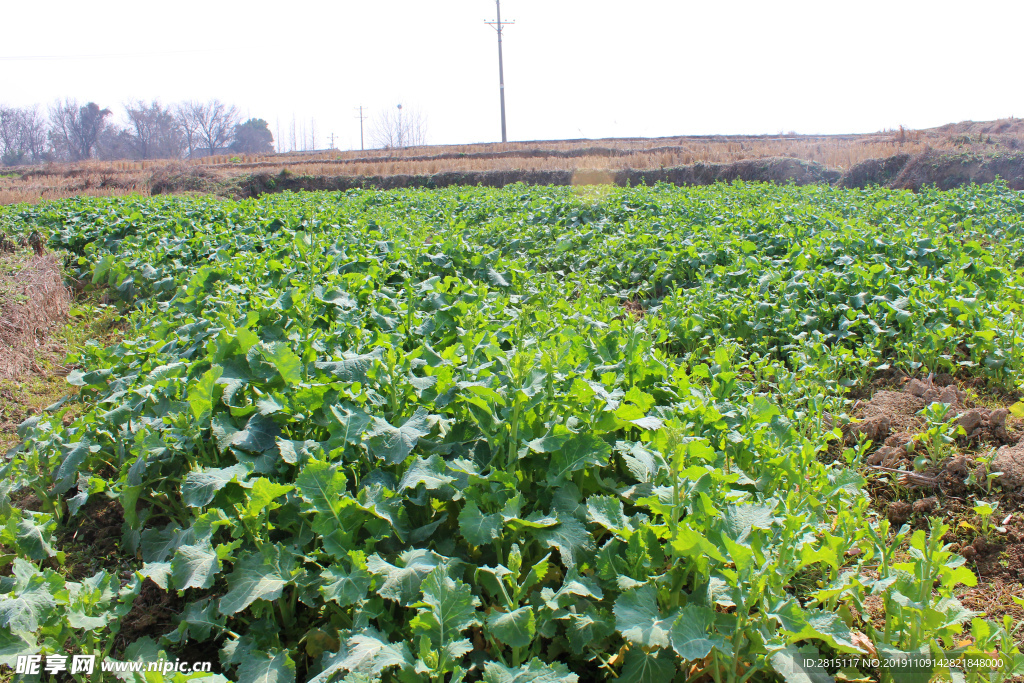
(528, 434)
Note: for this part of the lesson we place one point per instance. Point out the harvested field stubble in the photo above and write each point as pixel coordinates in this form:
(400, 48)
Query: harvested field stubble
(33, 299)
(948, 156)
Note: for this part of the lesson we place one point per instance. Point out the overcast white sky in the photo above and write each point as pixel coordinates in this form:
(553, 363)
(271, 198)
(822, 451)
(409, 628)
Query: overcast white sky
(572, 68)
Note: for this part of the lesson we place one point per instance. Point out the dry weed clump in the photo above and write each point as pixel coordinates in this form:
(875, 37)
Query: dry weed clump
(33, 298)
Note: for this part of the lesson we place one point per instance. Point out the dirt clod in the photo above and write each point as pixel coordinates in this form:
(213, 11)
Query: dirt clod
(1009, 461)
(958, 467)
(982, 424)
(926, 505)
(899, 440)
(887, 456)
(900, 407)
(875, 429)
(899, 511)
(916, 387)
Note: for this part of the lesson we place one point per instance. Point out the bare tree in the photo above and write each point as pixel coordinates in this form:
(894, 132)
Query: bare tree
(155, 132)
(187, 123)
(214, 121)
(74, 130)
(400, 127)
(22, 135)
(61, 132)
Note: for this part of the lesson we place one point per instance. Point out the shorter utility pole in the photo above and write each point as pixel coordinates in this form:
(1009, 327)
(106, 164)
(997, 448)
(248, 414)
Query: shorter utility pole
(401, 133)
(501, 67)
(361, 119)
(332, 140)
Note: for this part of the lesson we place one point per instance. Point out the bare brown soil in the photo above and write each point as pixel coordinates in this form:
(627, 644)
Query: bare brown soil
(951, 488)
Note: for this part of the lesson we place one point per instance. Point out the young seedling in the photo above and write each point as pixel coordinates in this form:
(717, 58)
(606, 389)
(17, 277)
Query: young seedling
(985, 510)
(938, 436)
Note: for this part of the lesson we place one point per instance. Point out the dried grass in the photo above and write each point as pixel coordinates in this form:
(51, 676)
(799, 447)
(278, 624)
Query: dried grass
(840, 152)
(33, 299)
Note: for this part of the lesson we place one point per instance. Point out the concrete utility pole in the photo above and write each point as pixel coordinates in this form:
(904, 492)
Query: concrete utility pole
(361, 119)
(501, 67)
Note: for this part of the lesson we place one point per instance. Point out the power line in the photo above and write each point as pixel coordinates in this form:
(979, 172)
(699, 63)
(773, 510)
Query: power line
(40, 58)
(501, 68)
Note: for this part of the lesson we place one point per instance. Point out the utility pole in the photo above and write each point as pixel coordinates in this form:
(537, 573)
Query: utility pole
(332, 141)
(361, 119)
(501, 68)
(401, 133)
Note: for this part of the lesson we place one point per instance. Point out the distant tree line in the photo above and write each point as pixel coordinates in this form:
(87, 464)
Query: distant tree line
(72, 132)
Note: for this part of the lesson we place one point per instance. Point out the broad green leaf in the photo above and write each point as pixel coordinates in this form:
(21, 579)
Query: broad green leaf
(447, 609)
(275, 666)
(194, 566)
(393, 444)
(258, 575)
(322, 485)
(609, 513)
(75, 455)
(292, 451)
(827, 626)
(259, 435)
(351, 369)
(157, 572)
(199, 621)
(648, 423)
(796, 665)
(584, 630)
(284, 359)
(352, 422)
(200, 393)
(656, 666)
(201, 486)
(34, 534)
(478, 528)
(637, 617)
(691, 634)
(740, 519)
(690, 543)
(401, 581)
(372, 652)
(428, 471)
(28, 606)
(1017, 409)
(580, 452)
(549, 443)
(344, 587)
(574, 543)
(263, 493)
(515, 629)
(14, 644)
(535, 671)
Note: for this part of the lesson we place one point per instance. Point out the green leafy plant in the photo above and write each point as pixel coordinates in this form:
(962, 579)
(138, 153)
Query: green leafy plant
(428, 435)
(940, 433)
